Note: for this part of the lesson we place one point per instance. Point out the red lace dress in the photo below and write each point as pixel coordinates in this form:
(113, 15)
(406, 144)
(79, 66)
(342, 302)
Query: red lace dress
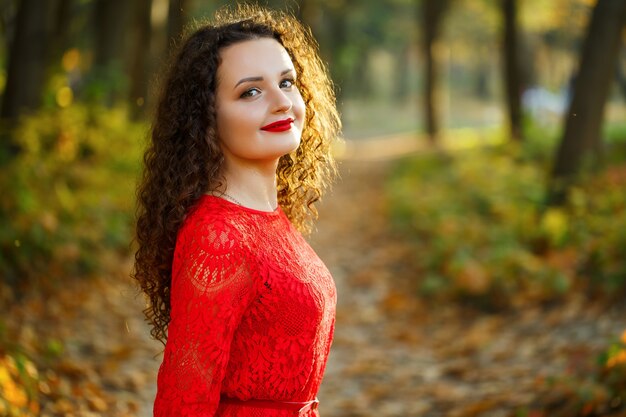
(252, 315)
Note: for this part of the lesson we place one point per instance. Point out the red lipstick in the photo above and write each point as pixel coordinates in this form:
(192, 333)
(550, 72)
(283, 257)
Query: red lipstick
(279, 126)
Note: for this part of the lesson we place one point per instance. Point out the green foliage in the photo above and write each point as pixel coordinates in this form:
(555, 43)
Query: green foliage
(481, 231)
(69, 193)
(615, 135)
(612, 369)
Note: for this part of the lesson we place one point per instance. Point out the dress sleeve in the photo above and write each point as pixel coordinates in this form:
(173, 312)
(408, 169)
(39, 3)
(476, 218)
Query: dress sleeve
(212, 286)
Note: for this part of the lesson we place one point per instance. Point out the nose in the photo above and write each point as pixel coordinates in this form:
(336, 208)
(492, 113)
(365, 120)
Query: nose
(282, 102)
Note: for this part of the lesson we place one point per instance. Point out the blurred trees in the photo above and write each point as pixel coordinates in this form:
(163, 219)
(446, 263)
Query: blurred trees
(377, 51)
(372, 47)
(75, 72)
(27, 63)
(582, 140)
(140, 54)
(433, 57)
(356, 40)
(512, 72)
(111, 27)
(99, 49)
(176, 18)
(432, 15)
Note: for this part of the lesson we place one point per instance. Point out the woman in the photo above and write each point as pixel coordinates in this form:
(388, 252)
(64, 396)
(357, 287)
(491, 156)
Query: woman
(239, 152)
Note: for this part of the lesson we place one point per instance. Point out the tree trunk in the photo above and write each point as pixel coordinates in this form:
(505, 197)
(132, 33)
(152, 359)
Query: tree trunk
(27, 64)
(110, 17)
(308, 12)
(512, 73)
(176, 20)
(581, 142)
(61, 32)
(139, 59)
(339, 68)
(432, 16)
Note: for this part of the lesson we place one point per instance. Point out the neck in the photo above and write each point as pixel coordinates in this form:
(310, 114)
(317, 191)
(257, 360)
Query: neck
(252, 185)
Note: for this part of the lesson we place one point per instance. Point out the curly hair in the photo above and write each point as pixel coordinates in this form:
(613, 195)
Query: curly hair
(183, 159)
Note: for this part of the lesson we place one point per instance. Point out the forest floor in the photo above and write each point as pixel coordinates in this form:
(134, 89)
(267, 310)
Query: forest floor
(394, 354)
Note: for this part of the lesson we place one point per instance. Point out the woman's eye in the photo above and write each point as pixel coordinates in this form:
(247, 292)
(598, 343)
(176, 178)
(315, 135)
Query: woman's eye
(287, 83)
(250, 93)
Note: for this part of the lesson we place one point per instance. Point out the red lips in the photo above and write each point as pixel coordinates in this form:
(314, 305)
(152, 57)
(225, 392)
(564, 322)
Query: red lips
(279, 126)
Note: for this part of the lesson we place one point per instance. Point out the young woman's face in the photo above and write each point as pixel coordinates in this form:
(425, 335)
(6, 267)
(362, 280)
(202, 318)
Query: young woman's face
(260, 112)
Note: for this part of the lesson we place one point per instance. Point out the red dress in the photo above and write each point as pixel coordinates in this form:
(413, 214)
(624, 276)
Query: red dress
(252, 315)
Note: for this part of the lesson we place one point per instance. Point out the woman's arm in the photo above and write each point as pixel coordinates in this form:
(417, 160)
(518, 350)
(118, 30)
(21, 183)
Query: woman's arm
(212, 287)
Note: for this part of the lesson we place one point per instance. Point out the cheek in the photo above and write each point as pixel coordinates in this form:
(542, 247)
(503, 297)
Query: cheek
(227, 132)
(299, 107)
(221, 127)
(231, 125)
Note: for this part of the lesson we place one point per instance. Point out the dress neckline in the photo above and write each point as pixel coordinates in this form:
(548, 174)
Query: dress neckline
(229, 203)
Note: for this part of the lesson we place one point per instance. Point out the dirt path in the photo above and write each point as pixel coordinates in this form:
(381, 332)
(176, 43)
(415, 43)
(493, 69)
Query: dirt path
(395, 356)
(392, 355)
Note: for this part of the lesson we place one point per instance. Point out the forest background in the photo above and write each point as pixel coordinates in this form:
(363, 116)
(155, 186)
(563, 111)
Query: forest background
(508, 119)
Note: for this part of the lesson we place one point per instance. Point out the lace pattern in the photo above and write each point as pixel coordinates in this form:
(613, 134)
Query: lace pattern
(253, 312)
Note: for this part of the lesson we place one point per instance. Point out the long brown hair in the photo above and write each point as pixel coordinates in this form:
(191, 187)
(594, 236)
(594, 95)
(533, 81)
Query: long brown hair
(184, 159)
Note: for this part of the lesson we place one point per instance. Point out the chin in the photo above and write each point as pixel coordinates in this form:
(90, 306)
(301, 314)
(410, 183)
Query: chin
(295, 145)
(285, 145)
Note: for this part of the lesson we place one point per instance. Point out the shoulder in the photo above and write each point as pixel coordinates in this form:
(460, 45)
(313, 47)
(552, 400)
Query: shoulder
(211, 226)
(210, 253)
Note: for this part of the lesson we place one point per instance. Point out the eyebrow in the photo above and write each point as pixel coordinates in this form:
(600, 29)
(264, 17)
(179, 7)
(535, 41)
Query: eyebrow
(250, 79)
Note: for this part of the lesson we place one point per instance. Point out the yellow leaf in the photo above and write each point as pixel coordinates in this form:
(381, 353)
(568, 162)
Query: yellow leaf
(617, 359)
(64, 96)
(71, 59)
(555, 224)
(4, 375)
(15, 395)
